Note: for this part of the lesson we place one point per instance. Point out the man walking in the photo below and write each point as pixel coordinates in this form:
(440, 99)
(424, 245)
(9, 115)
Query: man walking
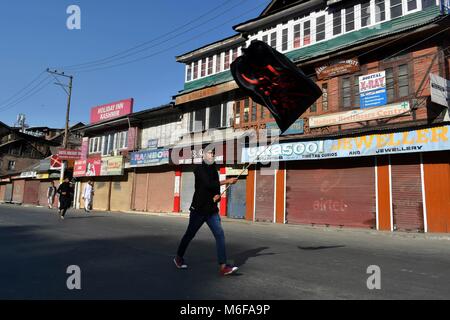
(204, 209)
(65, 197)
(88, 194)
(51, 193)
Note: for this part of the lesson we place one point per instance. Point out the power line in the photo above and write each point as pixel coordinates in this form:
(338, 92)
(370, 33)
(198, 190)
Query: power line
(23, 89)
(169, 48)
(123, 54)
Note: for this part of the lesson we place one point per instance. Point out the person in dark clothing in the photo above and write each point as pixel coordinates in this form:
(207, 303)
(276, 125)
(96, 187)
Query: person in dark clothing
(204, 208)
(65, 197)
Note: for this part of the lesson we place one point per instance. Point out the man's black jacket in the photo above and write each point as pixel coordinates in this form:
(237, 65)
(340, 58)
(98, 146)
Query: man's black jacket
(207, 186)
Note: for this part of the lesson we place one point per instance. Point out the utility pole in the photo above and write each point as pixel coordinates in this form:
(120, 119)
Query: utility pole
(55, 73)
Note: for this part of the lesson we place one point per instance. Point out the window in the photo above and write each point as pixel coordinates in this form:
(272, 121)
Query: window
(262, 112)
(197, 120)
(313, 107)
(397, 82)
(390, 85)
(356, 95)
(365, 13)
(121, 140)
(320, 28)
(265, 39)
(210, 65)
(246, 110)
(428, 3)
(346, 93)
(337, 23)
(218, 63)
(273, 40)
(254, 111)
(325, 97)
(227, 60)
(95, 145)
(11, 165)
(237, 113)
(349, 19)
(225, 115)
(307, 33)
(189, 73)
(235, 53)
(196, 70)
(396, 8)
(403, 81)
(214, 116)
(203, 67)
(380, 10)
(412, 5)
(284, 45)
(297, 36)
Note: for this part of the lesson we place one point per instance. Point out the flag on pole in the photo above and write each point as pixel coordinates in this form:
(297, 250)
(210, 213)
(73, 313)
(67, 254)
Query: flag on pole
(273, 80)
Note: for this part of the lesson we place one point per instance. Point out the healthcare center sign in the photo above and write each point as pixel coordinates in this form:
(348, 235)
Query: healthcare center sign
(424, 140)
(111, 111)
(372, 90)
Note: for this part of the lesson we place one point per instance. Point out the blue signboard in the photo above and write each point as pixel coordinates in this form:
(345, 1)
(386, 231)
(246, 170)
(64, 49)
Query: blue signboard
(372, 90)
(298, 127)
(152, 143)
(149, 158)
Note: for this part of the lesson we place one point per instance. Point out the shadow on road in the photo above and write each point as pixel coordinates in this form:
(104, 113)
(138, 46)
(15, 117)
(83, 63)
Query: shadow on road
(319, 248)
(240, 259)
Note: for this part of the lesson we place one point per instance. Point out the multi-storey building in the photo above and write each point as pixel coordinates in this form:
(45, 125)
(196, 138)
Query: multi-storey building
(372, 152)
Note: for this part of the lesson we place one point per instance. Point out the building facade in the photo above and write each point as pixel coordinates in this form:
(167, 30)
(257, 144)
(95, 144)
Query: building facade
(368, 152)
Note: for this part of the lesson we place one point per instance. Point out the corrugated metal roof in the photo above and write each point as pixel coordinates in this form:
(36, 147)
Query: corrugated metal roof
(398, 25)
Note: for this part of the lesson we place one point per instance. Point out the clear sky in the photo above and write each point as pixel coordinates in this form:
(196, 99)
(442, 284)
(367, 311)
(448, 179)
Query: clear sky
(34, 36)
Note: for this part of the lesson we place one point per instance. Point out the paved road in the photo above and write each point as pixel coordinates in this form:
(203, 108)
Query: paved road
(124, 256)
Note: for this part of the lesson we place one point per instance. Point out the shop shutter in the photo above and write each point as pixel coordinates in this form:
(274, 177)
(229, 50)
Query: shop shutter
(140, 192)
(187, 189)
(31, 195)
(101, 194)
(43, 187)
(2, 192)
(18, 190)
(265, 189)
(407, 200)
(332, 192)
(237, 199)
(9, 192)
(121, 189)
(161, 185)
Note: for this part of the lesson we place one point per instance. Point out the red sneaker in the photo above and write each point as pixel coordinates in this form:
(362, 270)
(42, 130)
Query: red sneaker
(179, 262)
(227, 270)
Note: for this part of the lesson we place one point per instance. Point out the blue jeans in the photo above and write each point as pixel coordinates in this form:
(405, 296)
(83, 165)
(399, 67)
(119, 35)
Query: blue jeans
(196, 221)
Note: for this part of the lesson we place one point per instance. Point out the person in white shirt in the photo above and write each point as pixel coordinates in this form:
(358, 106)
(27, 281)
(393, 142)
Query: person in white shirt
(88, 195)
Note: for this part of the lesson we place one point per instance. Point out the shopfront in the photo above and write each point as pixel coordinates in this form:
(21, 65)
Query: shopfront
(384, 181)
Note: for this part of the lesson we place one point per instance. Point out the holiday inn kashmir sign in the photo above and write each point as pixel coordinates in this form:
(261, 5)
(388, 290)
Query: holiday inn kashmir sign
(111, 111)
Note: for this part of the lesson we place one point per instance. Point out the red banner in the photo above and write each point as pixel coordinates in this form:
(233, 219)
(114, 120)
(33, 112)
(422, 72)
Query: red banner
(111, 111)
(79, 169)
(69, 154)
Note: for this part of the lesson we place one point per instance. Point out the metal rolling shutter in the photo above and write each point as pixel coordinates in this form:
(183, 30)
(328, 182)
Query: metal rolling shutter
(2, 192)
(43, 187)
(237, 199)
(265, 189)
(407, 201)
(18, 190)
(101, 194)
(121, 189)
(9, 192)
(31, 195)
(140, 193)
(161, 186)
(187, 189)
(332, 192)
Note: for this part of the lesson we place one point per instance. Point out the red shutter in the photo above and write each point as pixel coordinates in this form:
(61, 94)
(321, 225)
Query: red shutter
(31, 195)
(18, 190)
(407, 200)
(332, 192)
(161, 185)
(265, 189)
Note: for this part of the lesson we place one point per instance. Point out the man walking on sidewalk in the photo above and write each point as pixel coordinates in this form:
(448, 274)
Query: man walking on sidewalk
(51, 193)
(88, 194)
(204, 209)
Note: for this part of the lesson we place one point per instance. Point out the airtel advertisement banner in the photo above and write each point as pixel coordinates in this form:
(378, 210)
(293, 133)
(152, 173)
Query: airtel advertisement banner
(111, 111)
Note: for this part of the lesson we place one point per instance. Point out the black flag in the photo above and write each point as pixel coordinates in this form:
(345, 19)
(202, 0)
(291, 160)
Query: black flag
(271, 79)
